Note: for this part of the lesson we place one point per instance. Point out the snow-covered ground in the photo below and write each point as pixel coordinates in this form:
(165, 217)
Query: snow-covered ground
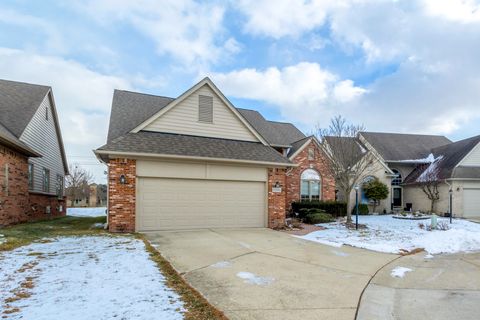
(85, 278)
(87, 212)
(386, 234)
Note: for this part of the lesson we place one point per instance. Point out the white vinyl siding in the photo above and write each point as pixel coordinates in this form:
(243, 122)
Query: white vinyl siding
(184, 119)
(473, 158)
(41, 135)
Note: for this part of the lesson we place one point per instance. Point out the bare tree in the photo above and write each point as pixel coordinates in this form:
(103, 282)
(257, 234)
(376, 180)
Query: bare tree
(76, 184)
(429, 181)
(348, 160)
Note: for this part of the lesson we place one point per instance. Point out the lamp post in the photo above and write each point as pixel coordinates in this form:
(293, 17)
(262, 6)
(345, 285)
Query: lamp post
(450, 193)
(356, 207)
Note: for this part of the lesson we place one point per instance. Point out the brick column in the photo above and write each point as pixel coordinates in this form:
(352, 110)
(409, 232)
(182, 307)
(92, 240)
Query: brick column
(276, 200)
(121, 197)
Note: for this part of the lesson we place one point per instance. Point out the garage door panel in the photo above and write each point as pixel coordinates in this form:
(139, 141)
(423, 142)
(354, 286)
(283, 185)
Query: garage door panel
(169, 204)
(471, 203)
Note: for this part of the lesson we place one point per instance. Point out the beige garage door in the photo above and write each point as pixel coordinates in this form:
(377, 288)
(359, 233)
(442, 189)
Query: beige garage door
(176, 204)
(471, 203)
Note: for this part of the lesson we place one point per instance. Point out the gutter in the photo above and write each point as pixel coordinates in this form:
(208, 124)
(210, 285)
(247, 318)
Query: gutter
(171, 156)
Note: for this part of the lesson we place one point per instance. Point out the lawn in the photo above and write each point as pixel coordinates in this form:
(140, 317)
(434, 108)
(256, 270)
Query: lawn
(386, 234)
(71, 268)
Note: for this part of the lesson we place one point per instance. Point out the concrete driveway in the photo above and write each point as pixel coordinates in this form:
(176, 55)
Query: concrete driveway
(442, 288)
(265, 274)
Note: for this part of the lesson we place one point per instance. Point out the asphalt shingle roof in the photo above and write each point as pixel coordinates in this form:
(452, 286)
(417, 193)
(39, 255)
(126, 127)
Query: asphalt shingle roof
(448, 158)
(398, 147)
(9, 139)
(347, 150)
(183, 145)
(275, 133)
(18, 103)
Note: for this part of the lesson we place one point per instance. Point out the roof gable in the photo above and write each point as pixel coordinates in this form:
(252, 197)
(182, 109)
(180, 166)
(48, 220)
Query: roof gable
(18, 103)
(180, 116)
(45, 136)
(131, 108)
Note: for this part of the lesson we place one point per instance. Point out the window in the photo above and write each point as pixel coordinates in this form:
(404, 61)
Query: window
(30, 176)
(363, 197)
(310, 185)
(311, 154)
(205, 109)
(397, 180)
(46, 180)
(46, 113)
(59, 186)
(6, 177)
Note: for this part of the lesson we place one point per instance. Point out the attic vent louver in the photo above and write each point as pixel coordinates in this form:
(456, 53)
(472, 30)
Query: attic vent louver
(205, 109)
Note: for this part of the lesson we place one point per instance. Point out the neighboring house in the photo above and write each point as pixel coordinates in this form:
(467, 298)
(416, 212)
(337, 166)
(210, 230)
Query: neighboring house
(404, 161)
(95, 195)
(198, 162)
(32, 158)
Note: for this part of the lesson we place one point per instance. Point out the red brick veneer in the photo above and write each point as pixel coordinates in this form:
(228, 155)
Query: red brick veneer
(18, 205)
(121, 197)
(319, 164)
(276, 200)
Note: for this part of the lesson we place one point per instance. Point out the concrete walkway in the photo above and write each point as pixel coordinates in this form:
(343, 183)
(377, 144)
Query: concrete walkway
(264, 274)
(445, 287)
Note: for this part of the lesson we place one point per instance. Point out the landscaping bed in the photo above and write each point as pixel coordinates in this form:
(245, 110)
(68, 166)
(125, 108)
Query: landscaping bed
(385, 234)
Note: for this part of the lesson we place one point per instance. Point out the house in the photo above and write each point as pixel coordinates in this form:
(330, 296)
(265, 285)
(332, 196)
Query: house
(198, 162)
(406, 162)
(93, 195)
(32, 158)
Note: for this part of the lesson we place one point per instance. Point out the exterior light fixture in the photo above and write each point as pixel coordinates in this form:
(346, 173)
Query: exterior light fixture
(123, 179)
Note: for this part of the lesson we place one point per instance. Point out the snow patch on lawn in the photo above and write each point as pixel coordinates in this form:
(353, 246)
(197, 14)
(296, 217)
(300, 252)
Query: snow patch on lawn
(87, 212)
(252, 278)
(399, 272)
(386, 234)
(86, 278)
(222, 264)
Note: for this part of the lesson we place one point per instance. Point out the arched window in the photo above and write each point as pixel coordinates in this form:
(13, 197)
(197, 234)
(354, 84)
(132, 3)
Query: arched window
(310, 185)
(364, 198)
(397, 180)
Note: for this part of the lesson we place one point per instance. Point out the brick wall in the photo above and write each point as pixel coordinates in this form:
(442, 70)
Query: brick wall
(121, 197)
(39, 204)
(14, 203)
(319, 164)
(276, 200)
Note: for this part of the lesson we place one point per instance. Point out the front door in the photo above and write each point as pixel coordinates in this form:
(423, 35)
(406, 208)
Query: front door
(397, 197)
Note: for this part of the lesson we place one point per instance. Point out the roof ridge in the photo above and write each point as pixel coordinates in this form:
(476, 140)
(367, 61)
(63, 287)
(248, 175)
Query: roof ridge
(144, 94)
(405, 134)
(27, 83)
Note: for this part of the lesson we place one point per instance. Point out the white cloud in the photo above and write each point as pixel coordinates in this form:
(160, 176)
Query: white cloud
(464, 11)
(278, 18)
(191, 32)
(83, 97)
(303, 92)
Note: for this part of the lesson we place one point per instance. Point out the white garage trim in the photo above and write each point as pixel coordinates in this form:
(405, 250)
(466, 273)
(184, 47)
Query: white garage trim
(471, 203)
(191, 195)
(184, 204)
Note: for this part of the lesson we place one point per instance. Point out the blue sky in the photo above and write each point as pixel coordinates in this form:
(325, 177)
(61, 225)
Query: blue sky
(399, 66)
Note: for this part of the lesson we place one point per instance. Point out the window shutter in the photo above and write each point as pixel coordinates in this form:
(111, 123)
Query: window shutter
(205, 109)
